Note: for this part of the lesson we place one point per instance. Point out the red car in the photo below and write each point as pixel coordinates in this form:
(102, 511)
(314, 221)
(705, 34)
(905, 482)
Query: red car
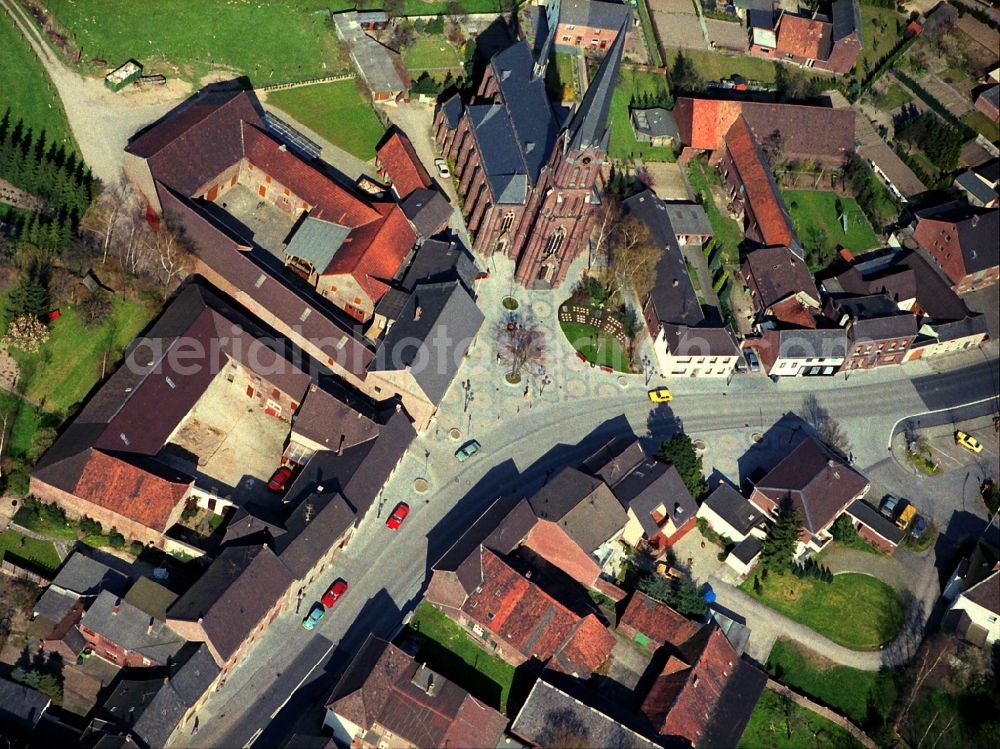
(398, 515)
(338, 589)
(279, 480)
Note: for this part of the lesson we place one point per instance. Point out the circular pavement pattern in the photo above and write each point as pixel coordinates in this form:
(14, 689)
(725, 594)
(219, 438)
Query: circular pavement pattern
(540, 308)
(576, 389)
(421, 485)
(607, 390)
(455, 433)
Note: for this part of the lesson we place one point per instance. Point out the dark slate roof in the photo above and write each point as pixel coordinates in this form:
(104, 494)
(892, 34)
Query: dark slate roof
(978, 230)
(986, 593)
(884, 328)
(547, 706)
(54, 604)
(810, 343)
(85, 576)
(655, 122)
(876, 521)
(673, 295)
(313, 527)
(329, 421)
(527, 103)
(21, 705)
(734, 706)
(734, 508)
(583, 506)
(747, 549)
(955, 329)
(434, 330)
(252, 523)
(989, 171)
(392, 303)
(133, 629)
(150, 597)
(615, 459)
(452, 109)
(866, 307)
(846, 18)
(428, 211)
(589, 126)
(701, 340)
(650, 485)
(437, 260)
(779, 273)
(688, 218)
(971, 183)
(233, 595)
(499, 151)
(594, 13)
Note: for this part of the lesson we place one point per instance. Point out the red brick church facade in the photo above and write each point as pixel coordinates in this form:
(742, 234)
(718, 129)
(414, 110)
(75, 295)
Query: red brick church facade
(530, 187)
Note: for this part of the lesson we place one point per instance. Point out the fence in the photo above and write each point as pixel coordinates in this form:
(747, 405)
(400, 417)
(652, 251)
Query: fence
(822, 711)
(308, 82)
(9, 567)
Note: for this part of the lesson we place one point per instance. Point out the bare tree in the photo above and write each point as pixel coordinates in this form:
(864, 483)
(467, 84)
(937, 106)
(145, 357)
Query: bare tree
(608, 215)
(455, 11)
(106, 217)
(828, 428)
(170, 254)
(632, 260)
(521, 343)
(931, 659)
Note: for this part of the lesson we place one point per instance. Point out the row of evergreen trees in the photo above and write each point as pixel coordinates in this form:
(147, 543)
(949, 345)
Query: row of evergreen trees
(59, 178)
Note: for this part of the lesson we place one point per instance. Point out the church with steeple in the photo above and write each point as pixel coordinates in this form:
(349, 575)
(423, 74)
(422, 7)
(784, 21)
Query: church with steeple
(530, 185)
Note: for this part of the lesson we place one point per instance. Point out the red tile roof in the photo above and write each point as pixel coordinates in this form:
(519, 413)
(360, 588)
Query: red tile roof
(128, 490)
(761, 193)
(792, 311)
(703, 122)
(587, 648)
(399, 161)
(804, 37)
(660, 623)
(684, 696)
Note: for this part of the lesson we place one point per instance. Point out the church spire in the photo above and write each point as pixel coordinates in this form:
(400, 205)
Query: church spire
(589, 126)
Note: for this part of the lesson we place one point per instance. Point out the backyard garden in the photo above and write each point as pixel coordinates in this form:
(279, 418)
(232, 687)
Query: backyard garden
(640, 89)
(778, 723)
(819, 218)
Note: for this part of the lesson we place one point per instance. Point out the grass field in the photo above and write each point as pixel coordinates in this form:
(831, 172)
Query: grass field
(715, 66)
(814, 215)
(448, 650)
(436, 55)
(282, 40)
(728, 234)
(979, 122)
(778, 723)
(879, 30)
(26, 90)
(560, 76)
(860, 696)
(337, 111)
(623, 145)
(894, 98)
(598, 348)
(856, 611)
(64, 370)
(41, 554)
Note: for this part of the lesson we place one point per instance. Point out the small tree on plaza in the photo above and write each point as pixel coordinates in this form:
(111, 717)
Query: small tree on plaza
(522, 344)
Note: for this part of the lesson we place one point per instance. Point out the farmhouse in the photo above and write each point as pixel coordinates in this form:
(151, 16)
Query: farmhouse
(828, 39)
(591, 24)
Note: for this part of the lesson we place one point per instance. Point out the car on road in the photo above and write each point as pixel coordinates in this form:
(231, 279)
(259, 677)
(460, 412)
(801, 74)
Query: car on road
(442, 167)
(279, 479)
(968, 442)
(333, 595)
(660, 395)
(752, 361)
(467, 450)
(890, 506)
(316, 613)
(397, 516)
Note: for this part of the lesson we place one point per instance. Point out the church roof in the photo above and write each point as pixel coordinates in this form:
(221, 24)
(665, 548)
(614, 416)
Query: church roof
(589, 127)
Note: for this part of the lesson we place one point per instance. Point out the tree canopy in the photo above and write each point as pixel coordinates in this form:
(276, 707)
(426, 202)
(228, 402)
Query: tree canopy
(679, 452)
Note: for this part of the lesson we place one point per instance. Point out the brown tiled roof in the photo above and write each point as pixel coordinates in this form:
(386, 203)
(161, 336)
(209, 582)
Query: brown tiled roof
(817, 482)
(587, 648)
(660, 623)
(400, 162)
(804, 37)
(386, 687)
(129, 490)
(759, 188)
(583, 506)
(779, 273)
(793, 312)
(986, 593)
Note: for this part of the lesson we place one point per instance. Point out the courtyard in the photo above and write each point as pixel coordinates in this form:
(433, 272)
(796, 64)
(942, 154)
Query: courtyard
(268, 225)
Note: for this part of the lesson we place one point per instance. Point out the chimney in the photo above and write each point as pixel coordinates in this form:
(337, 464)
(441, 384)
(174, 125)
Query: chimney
(340, 448)
(309, 511)
(117, 607)
(430, 685)
(416, 312)
(282, 148)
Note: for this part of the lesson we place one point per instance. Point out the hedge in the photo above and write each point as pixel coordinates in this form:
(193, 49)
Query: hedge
(937, 106)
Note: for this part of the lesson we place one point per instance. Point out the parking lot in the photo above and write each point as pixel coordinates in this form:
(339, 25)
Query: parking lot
(951, 456)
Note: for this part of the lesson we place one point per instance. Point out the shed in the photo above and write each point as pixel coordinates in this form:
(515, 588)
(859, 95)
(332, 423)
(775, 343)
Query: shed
(656, 126)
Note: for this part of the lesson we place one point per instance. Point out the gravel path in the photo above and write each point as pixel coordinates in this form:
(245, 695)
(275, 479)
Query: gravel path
(101, 121)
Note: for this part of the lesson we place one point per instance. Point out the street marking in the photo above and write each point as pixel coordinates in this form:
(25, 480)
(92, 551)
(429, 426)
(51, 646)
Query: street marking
(256, 735)
(892, 431)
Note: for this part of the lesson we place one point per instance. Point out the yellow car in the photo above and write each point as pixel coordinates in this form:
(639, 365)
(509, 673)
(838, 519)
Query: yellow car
(660, 395)
(968, 442)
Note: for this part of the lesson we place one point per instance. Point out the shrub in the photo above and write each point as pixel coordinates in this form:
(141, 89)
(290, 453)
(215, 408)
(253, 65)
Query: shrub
(26, 332)
(843, 530)
(116, 539)
(90, 527)
(136, 547)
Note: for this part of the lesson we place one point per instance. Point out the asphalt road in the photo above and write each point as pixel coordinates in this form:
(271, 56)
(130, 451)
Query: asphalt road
(280, 688)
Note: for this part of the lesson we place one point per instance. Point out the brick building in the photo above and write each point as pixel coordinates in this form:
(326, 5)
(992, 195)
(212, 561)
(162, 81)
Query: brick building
(962, 240)
(828, 39)
(124, 634)
(652, 624)
(775, 275)
(589, 24)
(878, 332)
(530, 187)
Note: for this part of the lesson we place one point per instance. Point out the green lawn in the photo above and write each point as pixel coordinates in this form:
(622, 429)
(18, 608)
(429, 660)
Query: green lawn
(40, 554)
(433, 54)
(979, 122)
(598, 347)
(715, 66)
(814, 215)
(328, 108)
(73, 360)
(447, 649)
(281, 40)
(894, 98)
(778, 723)
(878, 29)
(560, 76)
(856, 611)
(860, 696)
(25, 88)
(727, 232)
(649, 35)
(623, 145)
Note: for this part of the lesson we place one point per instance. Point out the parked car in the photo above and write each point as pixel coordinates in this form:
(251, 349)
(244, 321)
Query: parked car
(316, 613)
(890, 505)
(919, 527)
(660, 395)
(333, 595)
(467, 450)
(398, 516)
(752, 361)
(968, 442)
(279, 479)
(906, 517)
(442, 167)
